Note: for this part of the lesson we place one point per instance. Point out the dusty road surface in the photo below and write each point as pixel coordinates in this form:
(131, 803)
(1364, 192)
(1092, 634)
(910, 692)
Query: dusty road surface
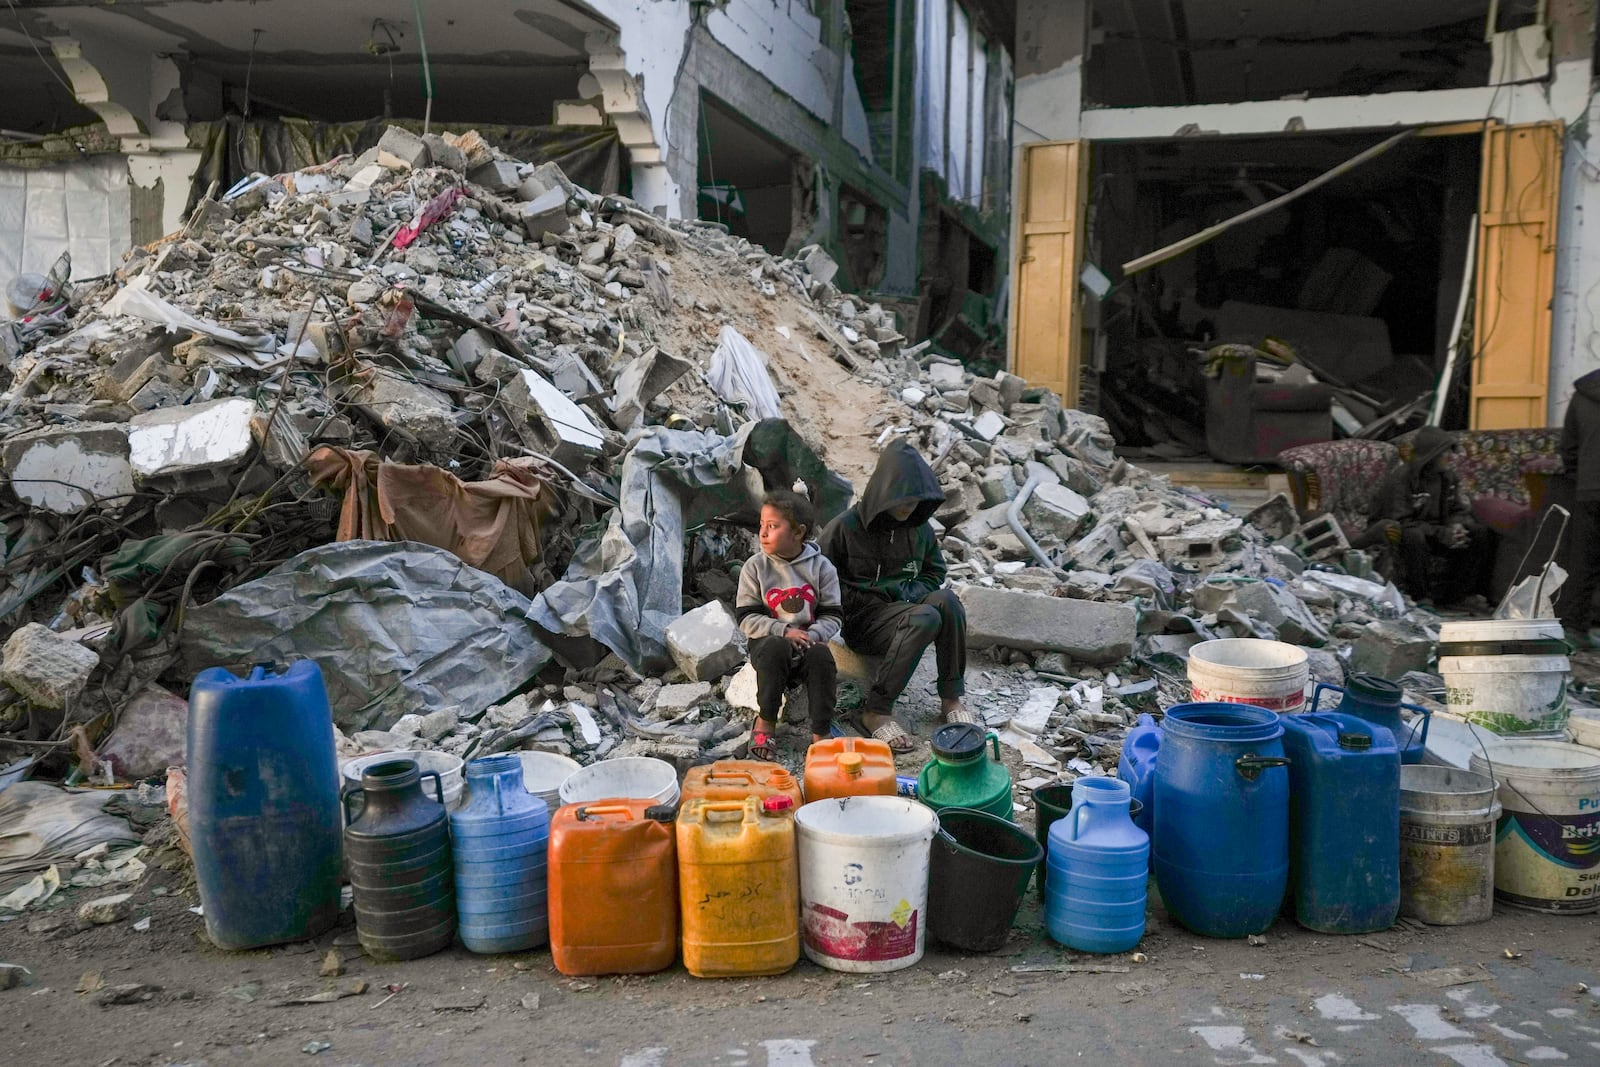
(1520, 989)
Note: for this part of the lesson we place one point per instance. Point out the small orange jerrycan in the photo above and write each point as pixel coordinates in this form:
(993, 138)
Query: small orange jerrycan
(849, 767)
(613, 888)
(735, 779)
(739, 883)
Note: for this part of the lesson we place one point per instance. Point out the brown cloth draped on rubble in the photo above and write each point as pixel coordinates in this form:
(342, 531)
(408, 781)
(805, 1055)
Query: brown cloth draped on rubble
(493, 525)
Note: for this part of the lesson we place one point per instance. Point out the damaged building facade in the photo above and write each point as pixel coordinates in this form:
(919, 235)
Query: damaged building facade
(1444, 233)
(875, 130)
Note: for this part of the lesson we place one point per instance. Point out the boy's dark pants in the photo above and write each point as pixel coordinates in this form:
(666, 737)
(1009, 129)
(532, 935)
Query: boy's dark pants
(778, 662)
(899, 632)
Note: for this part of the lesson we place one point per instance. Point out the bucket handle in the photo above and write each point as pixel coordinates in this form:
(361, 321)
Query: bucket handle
(1251, 765)
(438, 785)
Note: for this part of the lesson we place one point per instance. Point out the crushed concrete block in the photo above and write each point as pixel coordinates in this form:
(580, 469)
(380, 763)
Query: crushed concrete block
(977, 528)
(706, 643)
(404, 407)
(1280, 609)
(945, 375)
(741, 691)
(985, 394)
(1011, 387)
(1083, 629)
(400, 149)
(437, 724)
(852, 665)
(998, 484)
(130, 373)
(1074, 474)
(149, 736)
(46, 668)
(989, 425)
(820, 265)
(496, 366)
(67, 469)
(445, 154)
(911, 396)
(496, 175)
(1391, 647)
(641, 381)
(103, 910)
(556, 426)
(595, 252)
(623, 238)
(544, 214)
(1202, 543)
(573, 377)
(675, 700)
(200, 437)
(1098, 547)
(1276, 518)
(1056, 511)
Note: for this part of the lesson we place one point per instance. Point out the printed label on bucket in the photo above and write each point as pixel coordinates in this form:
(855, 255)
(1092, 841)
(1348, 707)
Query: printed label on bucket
(830, 932)
(1292, 702)
(1413, 833)
(1573, 841)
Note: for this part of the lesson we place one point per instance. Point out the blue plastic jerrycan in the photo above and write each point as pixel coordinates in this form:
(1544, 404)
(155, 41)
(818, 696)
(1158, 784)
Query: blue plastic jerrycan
(1378, 700)
(264, 805)
(1099, 864)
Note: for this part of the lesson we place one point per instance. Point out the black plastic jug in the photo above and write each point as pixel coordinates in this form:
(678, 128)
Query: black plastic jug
(397, 847)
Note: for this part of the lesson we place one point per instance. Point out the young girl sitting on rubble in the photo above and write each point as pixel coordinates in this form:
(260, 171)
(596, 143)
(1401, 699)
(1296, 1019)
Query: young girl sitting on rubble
(788, 606)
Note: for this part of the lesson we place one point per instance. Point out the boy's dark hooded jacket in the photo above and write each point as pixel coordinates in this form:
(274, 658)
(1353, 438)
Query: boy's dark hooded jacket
(1580, 437)
(880, 560)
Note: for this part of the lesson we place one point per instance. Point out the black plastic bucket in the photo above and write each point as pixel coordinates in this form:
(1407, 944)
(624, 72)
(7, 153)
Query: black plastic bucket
(978, 871)
(1051, 802)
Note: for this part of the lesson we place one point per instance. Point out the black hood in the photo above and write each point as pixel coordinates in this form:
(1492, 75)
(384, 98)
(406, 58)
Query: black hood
(1588, 385)
(1429, 444)
(902, 476)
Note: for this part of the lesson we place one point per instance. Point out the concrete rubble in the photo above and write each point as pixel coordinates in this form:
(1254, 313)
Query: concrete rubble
(441, 305)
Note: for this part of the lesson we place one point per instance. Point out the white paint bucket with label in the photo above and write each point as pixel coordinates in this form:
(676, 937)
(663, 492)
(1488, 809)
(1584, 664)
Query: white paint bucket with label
(1547, 851)
(1248, 670)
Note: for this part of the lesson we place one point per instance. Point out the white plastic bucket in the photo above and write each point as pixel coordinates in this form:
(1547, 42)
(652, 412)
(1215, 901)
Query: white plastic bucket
(633, 777)
(543, 773)
(1547, 856)
(1247, 670)
(864, 881)
(449, 769)
(1515, 696)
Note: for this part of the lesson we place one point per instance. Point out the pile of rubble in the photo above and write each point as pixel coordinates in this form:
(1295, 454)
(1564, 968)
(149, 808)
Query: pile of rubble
(279, 432)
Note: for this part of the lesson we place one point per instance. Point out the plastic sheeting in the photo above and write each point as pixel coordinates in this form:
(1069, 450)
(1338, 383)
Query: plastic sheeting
(43, 824)
(739, 375)
(396, 629)
(81, 208)
(626, 588)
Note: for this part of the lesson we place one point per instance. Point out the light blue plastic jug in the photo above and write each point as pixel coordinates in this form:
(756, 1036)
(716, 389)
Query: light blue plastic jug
(1099, 867)
(501, 838)
(1137, 767)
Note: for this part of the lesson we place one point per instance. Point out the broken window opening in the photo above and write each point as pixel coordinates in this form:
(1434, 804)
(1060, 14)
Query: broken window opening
(881, 39)
(863, 233)
(746, 177)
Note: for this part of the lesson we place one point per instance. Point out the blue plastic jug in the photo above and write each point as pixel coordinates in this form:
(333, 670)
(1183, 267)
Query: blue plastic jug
(1137, 766)
(1377, 700)
(1099, 864)
(1344, 823)
(1221, 844)
(501, 837)
(264, 805)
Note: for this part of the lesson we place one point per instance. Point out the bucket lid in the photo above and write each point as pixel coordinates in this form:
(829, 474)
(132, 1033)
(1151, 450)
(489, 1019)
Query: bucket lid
(1538, 759)
(958, 741)
(1494, 630)
(1373, 688)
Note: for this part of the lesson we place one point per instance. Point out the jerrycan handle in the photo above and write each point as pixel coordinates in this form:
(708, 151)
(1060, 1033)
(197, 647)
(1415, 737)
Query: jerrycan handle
(994, 743)
(724, 807)
(1316, 693)
(591, 811)
(1077, 814)
(438, 787)
(735, 776)
(1251, 765)
(1427, 720)
(344, 802)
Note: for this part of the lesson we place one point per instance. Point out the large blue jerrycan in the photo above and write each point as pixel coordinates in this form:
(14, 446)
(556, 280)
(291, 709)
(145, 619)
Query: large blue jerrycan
(1221, 844)
(1344, 823)
(1137, 766)
(501, 840)
(264, 805)
(1099, 864)
(1377, 700)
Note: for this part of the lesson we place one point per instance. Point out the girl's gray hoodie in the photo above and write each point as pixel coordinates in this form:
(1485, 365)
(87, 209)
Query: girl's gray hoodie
(775, 594)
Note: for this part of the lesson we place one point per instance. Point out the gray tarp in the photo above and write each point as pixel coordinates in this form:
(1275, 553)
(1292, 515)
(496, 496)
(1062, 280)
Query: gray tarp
(625, 589)
(41, 824)
(396, 628)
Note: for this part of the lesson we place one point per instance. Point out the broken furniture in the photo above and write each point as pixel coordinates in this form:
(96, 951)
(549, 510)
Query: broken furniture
(1251, 422)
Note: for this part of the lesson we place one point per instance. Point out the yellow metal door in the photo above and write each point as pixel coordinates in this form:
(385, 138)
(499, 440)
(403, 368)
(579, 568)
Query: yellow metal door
(1046, 326)
(1516, 275)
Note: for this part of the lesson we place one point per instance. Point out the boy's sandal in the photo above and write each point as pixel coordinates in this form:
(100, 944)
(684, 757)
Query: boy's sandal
(764, 747)
(964, 715)
(890, 733)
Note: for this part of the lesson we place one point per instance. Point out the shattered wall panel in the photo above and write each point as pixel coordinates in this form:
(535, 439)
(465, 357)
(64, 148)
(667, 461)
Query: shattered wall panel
(81, 208)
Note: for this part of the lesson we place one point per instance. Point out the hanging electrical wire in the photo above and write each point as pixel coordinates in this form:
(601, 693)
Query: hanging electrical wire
(427, 71)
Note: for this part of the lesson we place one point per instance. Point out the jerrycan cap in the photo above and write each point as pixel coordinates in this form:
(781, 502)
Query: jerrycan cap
(661, 813)
(959, 741)
(777, 805)
(1355, 742)
(850, 763)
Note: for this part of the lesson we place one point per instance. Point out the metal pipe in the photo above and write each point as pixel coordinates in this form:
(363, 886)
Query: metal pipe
(1014, 520)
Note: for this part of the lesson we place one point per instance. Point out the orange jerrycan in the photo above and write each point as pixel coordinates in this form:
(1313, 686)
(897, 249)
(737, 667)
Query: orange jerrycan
(739, 883)
(735, 779)
(613, 888)
(849, 767)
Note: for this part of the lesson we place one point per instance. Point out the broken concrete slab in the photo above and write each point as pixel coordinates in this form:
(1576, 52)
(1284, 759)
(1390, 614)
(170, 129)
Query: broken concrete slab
(989, 425)
(1276, 518)
(413, 411)
(675, 700)
(1282, 610)
(556, 426)
(1391, 647)
(150, 735)
(1056, 511)
(70, 468)
(546, 213)
(400, 149)
(214, 436)
(706, 643)
(641, 381)
(103, 910)
(820, 265)
(496, 175)
(946, 376)
(1083, 629)
(46, 668)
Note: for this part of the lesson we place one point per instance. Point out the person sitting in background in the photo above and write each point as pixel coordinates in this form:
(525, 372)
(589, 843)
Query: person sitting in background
(892, 573)
(1580, 462)
(1423, 534)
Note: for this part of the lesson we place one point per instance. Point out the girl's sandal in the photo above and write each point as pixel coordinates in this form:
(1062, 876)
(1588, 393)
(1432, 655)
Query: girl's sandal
(763, 746)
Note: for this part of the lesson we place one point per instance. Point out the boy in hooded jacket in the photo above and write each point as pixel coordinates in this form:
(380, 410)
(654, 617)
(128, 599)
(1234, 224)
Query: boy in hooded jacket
(891, 577)
(1580, 462)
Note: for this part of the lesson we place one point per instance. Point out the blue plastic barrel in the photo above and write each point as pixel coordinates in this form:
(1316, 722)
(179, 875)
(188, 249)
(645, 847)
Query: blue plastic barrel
(264, 805)
(1137, 766)
(1220, 850)
(501, 838)
(1099, 864)
(1344, 822)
